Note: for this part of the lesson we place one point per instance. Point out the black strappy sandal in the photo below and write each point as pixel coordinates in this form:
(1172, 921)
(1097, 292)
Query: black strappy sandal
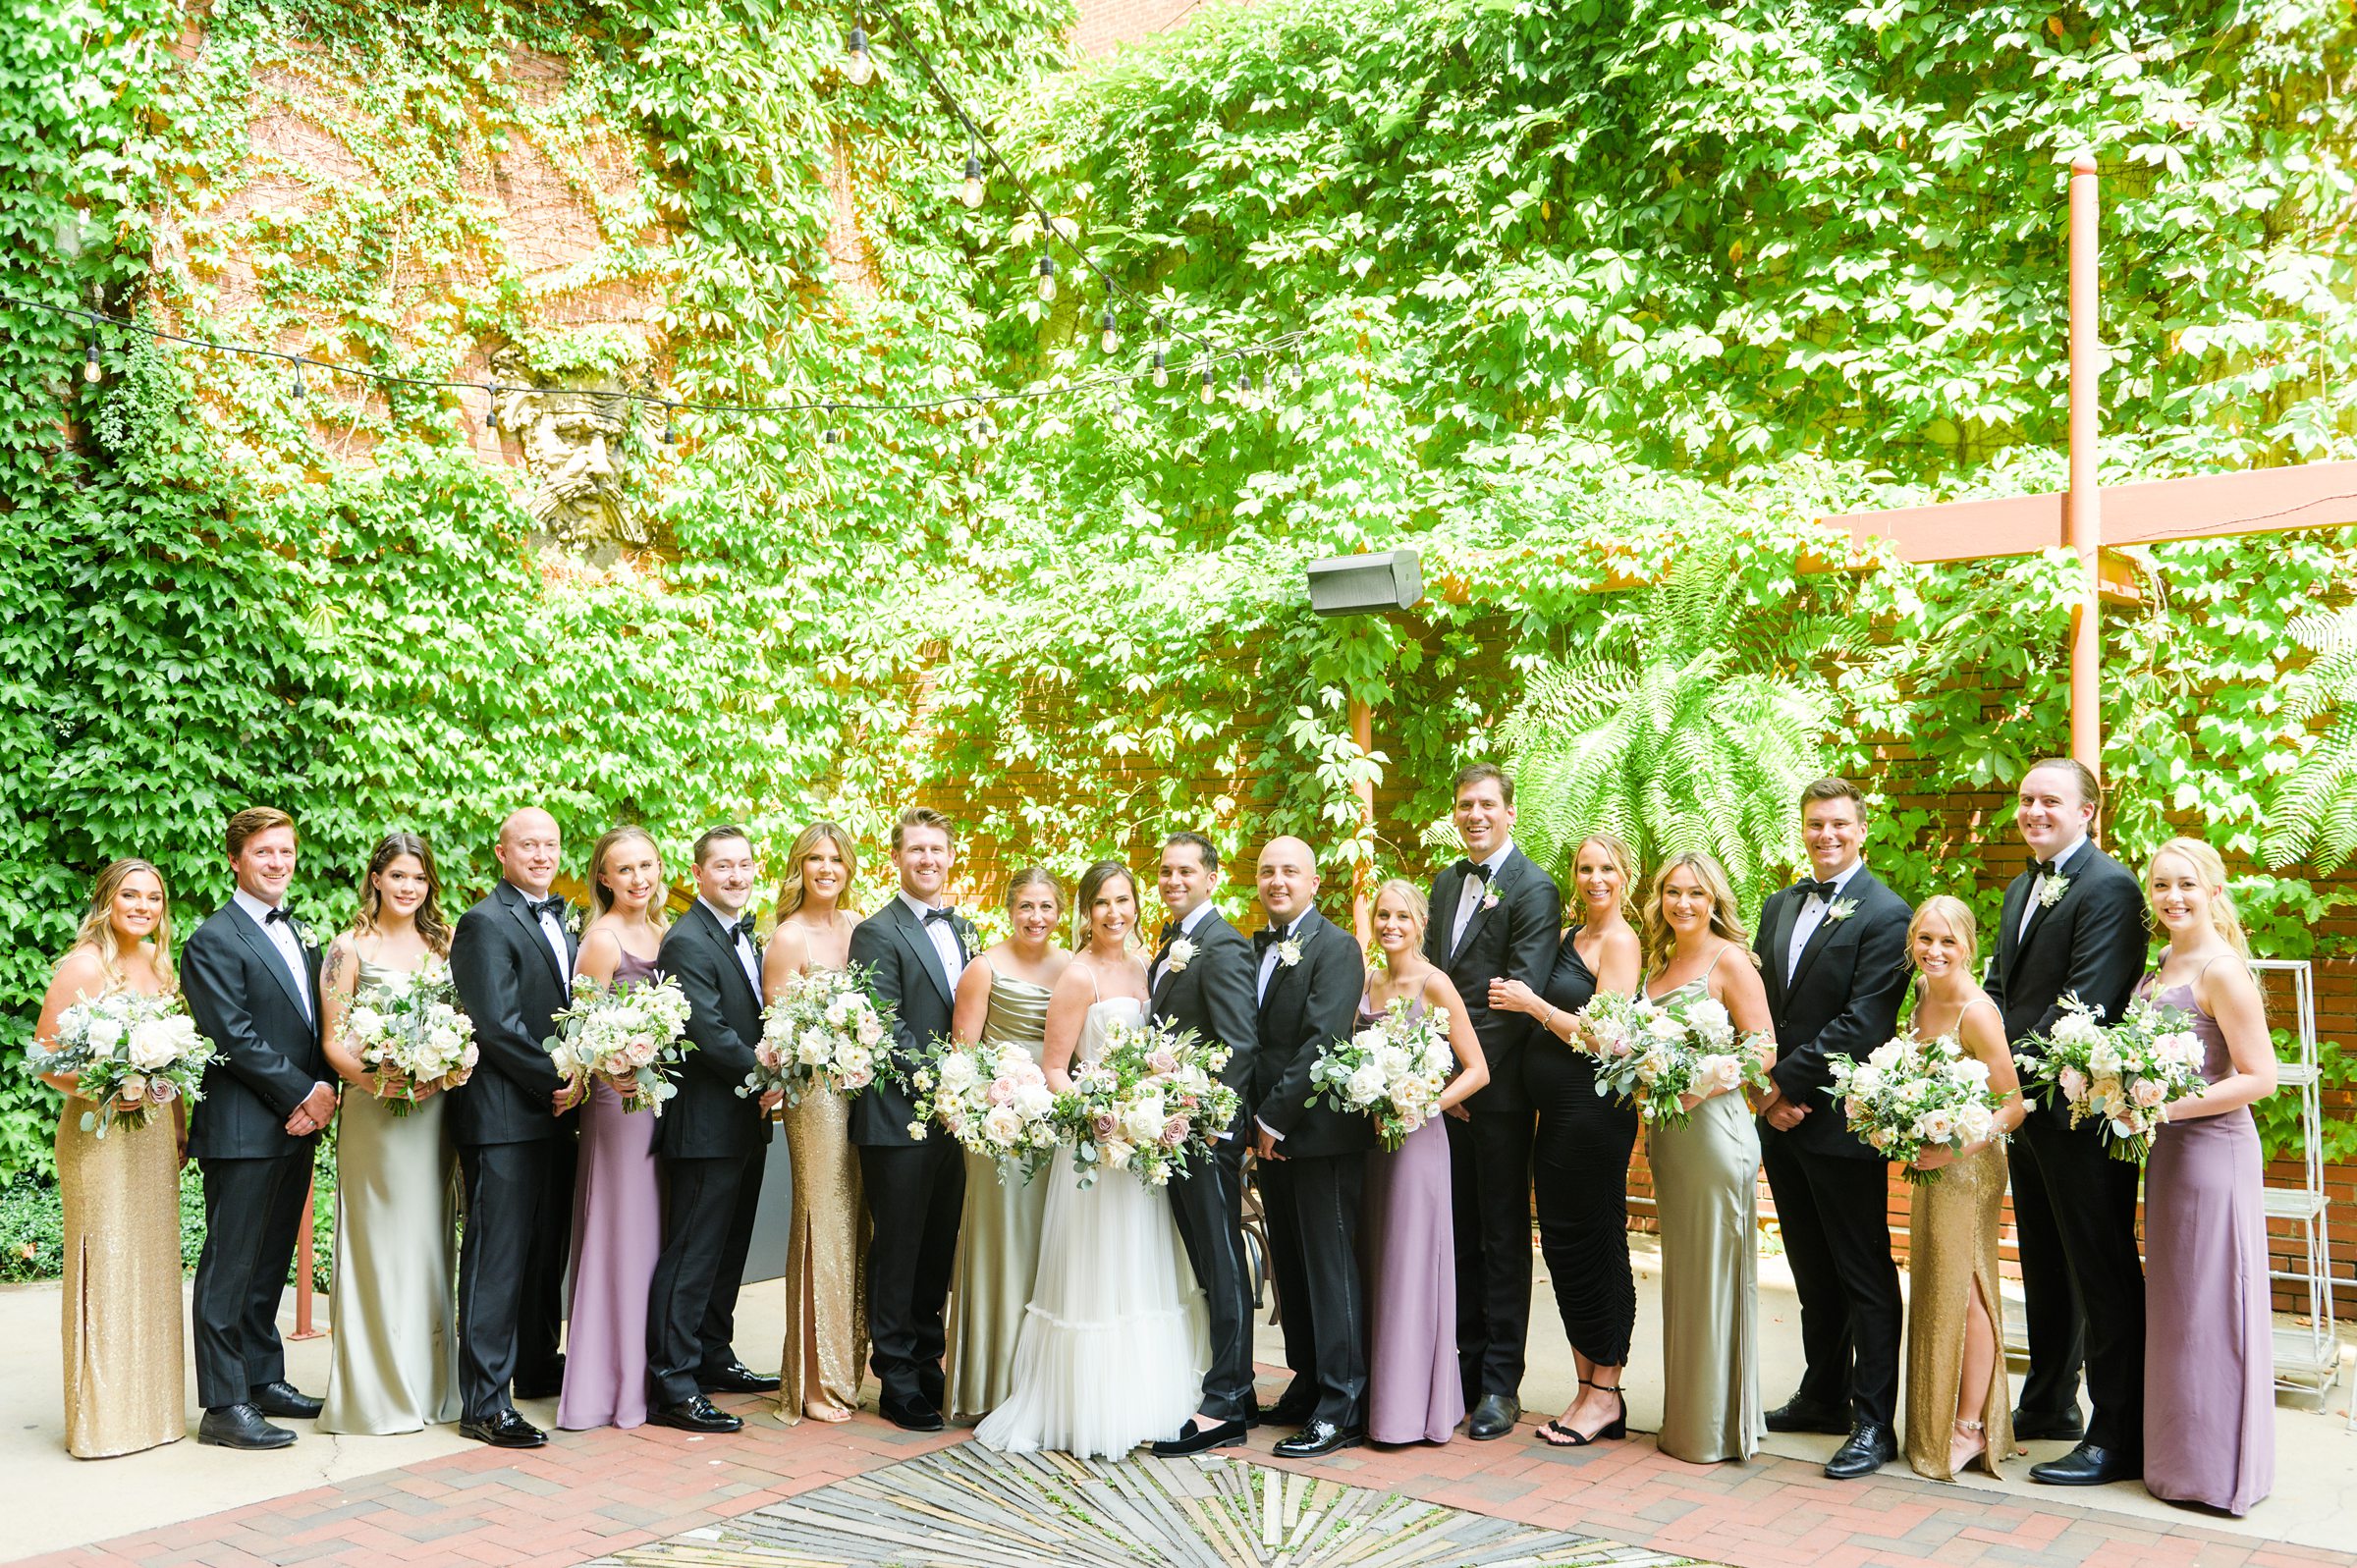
(1554, 1435)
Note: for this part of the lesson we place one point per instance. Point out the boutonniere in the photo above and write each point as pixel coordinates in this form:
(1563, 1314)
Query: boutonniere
(1489, 898)
(2050, 893)
(1182, 951)
(303, 935)
(1288, 951)
(1842, 910)
(575, 916)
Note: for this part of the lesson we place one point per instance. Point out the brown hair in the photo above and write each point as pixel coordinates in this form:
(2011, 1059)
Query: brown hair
(2091, 790)
(252, 821)
(1831, 787)
(430, 924)
(921, 816)
(1033, 877)
(1483, 773)
(98, 930)
(719, 834)
(1661, 940)
(601, 899)
(790, 885)
(1092, 883)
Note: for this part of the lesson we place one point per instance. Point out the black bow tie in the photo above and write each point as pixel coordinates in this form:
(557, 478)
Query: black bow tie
(743, 927)
(1821, 890)
(1265, 938)
(542, 907)
(1468, 867)
(277, 915)
(1170, 933)
(945, 913)
(2044, 868)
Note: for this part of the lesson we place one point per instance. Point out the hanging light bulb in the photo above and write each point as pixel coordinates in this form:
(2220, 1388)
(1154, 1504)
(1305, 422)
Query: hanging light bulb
(1108, 339)
(1161, 367)
(858, 66)
(972, 195)
(492, 424)
(831, 437)
(300, 388)
(1210, 387)
(89, 363)
(669, 439)
(1047, 280)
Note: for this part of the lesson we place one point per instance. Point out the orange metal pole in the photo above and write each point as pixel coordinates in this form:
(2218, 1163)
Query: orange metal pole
(1362, 874)
(304, 1253)
(2082, 509)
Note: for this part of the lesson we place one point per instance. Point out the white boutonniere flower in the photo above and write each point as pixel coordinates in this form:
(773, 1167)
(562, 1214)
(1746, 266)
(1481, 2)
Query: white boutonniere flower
(2051, 892)
(1182, 953)
(1842, 910)
(1489, 899)
(576, 917)
(1288, 951)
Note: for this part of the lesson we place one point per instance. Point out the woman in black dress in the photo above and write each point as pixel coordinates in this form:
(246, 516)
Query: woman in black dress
(1580, 1158)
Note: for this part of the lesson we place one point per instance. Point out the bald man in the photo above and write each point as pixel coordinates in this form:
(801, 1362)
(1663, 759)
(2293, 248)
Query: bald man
(511, 959)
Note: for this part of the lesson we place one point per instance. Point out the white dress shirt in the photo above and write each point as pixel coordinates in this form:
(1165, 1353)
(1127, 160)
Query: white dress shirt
(1813, 910)
(2029, 907)
(282, 937)
(1187, 928)
(552, 932)
(1476, 889)
(938, 931)
(746, 959)
(1269, 956)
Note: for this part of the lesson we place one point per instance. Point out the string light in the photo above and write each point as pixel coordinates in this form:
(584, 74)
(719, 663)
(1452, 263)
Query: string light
(1161, 367)
(1047, 280)
(299, 389)
(492, 424)
(89, 363)
(972, 195)
(858, 66)
(1108, 339)
(1210, 387)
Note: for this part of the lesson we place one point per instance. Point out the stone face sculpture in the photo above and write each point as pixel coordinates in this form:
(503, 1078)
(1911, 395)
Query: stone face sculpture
(572, 438)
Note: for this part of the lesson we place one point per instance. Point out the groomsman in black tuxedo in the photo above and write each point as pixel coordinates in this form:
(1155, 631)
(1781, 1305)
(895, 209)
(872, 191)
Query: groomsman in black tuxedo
(1203, 978)
(2074, 922)
(714, 1143)
(511, 959)
(915, 948)
(252, 979)
(1832, 949)
(1495, 916)
(1313, 1159)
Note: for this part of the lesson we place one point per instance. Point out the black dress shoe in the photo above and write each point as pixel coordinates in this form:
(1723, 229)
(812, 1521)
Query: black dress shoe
(1320, 1438)
(1807, 1415)
(1871, 1447)
(1196, 1438)
(281, 1399)
(240, 1426)
(911, 1415)
(735, 1378)
(506, 1430)
(1493, 1417)
(695, 1414)
(2030, 1427)
(1295, 1407)
(2087, 1465)
(546, 1382)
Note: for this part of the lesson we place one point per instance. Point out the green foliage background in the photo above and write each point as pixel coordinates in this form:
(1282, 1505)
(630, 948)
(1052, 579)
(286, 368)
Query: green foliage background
(1583, 282)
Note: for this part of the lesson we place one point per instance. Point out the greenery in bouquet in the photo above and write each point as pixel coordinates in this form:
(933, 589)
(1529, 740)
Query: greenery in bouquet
(825, 1030)
(1149, 1103)
(408, 1032)
(1394, 1070)
(2123, 1075)
(993, 1099)
(1909, 1095)
(626, 1035)
(1653, 1054)
(131, 1054)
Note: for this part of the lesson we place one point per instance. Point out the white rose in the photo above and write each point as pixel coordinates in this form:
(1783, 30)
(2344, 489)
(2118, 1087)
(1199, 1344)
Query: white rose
(1143, 1120)
(1867, 1081)
(958, 1071)
(1032, 1101)
(1003, 1125)
(1889, 1054)
(1365, 1086)
(151, 1046)
(1660, 1026)
(104, 1035)
(1716, 1074)
(1711, 1020)
(1115, 1153)
(1972, 1072)
(1974, 1122)
(2076, 1029)
(1935, 1127)
(1651, 1067)
(870, 1028)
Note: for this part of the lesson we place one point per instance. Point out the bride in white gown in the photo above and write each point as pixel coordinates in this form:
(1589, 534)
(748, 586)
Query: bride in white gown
(1113, 1344)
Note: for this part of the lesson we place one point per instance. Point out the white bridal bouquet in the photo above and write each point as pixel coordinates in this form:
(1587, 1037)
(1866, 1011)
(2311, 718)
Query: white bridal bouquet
(1649, 1054)
(1393, 1069)
(1147, 1104)
(624, 1034)
(132, 1053)
(2124, 1074)
(1909, 1095)
(409, 1027)
(995, 1101)
(824, 1030)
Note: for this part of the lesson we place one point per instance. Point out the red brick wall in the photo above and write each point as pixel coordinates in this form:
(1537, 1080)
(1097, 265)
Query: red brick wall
(1106, 25)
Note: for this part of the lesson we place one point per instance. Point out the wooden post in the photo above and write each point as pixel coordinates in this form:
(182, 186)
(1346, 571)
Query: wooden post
(304, 1261)
(2082, 509)
(1362, 871)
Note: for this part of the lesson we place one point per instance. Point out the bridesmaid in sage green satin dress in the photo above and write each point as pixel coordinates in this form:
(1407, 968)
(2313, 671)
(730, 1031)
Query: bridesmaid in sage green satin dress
(1706, 1178)
(394, 1299)
(1002, 997)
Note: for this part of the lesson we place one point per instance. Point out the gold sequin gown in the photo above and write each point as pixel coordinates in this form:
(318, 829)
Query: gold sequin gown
(1951, 1251)
(125, 1369)
(826, 1252)
(998, 1235)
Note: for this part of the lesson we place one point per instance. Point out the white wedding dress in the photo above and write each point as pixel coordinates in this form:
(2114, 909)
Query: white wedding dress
(1114, 1342)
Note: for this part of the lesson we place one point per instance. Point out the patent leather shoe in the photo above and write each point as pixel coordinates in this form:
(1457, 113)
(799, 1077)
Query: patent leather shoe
(1493, 1417)
(695, 1414)
(737, 1379)
(1871, 1447)
(240, 1426)
(1807, 1415)
(506, 1430)
(1196, 1438)
(918, 1414)
(2033, 1427)
(2087, 1465)
(1320, 1438)
(282, 1400)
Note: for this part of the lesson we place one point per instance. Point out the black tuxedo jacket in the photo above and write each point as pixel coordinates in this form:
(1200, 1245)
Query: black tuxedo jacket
(1513, 939)
(1213, 997)
(511, 987)
(1308, 1006)
(2092, 941)
(707, 1119)
(905, 973)
(269, 1058)
(1842, 1001)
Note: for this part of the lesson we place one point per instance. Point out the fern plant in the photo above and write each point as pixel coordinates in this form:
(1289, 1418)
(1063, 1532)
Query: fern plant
(1694, 725)
(2314, 812)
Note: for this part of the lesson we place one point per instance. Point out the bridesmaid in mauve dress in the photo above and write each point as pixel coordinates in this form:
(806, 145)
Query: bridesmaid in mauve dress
(1579, 1157)
(123, 1358)
(826, 1249)
(1706, 1181)
(392, 1301)
(1002, 998)
(1959, 1406)
(617, 1200)
(2209, 1398)
(1407, 1233)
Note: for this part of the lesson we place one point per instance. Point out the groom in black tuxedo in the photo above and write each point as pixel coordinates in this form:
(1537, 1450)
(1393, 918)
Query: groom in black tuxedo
(2074, 922)
(511, 960)
(1203, 978)
(714, 1146)
(1495, 916)
(1313, 1159)
(913, 950)
(251, 979)
(1832, 949)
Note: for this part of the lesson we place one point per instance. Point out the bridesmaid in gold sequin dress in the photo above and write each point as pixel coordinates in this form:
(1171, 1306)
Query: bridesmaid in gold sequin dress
(1959, 1408)
(123, 1362)
(1002, 997)
(826, 1279)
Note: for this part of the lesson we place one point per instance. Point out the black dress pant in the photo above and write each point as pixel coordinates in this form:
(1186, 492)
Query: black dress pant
(1489, 1173)
(718, 1333)
(914, 1193)
(1313, 1208)
(1834, 1211)
(2082, 1279)
(700, 1202)
(540, 1321)
(253, 1215)
(1208, 1202)
(506, 1187)
(1580, 1176)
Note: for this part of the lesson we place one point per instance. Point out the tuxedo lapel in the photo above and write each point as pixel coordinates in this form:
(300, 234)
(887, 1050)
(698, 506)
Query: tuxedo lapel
(1492, 897)
(2039, 914)
(919, 947)
(1825, 927)
(258, 942)
(534, 936)
(726, 940)
(1779, 921)
(1284, 978)
(2008, 921)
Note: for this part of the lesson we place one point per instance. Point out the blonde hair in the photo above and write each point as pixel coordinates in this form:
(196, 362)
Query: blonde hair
(1660, 941)
(98, 930)
(2211, 871)
(791, 892)
(1960, 925)
(1624, 860)
(601, 897)
(1408, 894)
